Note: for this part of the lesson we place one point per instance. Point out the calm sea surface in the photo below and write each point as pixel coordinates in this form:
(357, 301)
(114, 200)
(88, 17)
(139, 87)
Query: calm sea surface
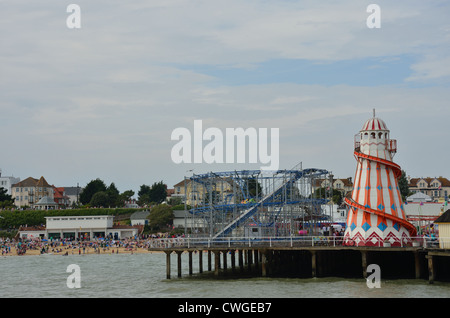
(144, 275)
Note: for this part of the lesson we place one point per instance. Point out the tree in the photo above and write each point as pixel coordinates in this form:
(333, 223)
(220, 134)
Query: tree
(113, 195)
(144, 195)
(91, 188)
(403, 186)
(156, 193)
(6, 200)
(125, 196)
(160, 217)
(99, 199)
(254, 188)
(322, 193)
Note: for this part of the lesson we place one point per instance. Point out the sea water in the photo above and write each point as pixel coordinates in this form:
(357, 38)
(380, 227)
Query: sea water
(144, 276)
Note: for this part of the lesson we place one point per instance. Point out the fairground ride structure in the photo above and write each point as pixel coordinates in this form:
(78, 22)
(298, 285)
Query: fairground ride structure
(376, 214)
(255, 203)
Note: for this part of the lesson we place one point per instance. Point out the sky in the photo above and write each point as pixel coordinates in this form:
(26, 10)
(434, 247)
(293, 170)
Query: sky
(102, 101)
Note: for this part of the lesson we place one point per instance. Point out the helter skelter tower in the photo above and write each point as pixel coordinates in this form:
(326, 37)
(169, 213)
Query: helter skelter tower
(376, 213)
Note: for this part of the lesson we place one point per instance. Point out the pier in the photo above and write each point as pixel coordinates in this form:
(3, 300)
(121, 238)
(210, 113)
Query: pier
(303, 259)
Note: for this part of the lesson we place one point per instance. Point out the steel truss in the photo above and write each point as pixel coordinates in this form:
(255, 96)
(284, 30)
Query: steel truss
(255, 203)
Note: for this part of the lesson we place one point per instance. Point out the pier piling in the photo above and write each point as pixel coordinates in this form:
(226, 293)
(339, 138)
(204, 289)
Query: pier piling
(317, 261)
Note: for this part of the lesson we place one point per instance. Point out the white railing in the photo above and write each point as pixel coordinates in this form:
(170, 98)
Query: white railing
(290, 241)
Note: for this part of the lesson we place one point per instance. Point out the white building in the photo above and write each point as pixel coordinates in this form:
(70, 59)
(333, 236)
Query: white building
(140, 218)
(86, 227)
(73, 194)
(7, 182)
(182, 219)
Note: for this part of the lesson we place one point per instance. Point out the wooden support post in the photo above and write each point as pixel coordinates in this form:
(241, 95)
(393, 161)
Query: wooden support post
(313, 264)
(200, 261)
(233, 261)
(431, 272)
(249, 259)
(190, 263)
(216, 262)
(269, 257)
(417, 264)
(224, 253)
(168, 264)
(179, 262)
(263, 264)
(364, 263)
(256, 257)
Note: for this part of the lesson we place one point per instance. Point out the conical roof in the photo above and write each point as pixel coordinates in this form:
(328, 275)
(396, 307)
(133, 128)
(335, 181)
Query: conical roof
(46, 201)
(374, 124)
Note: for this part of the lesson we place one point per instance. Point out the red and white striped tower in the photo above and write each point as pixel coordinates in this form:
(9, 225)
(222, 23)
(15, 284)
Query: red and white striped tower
(376, 214)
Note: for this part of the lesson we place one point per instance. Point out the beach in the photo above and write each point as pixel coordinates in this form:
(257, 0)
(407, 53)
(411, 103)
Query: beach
(80, 251)
(64, 247)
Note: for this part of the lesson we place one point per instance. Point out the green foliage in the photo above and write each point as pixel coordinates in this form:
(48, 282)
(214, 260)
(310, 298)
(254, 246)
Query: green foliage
(160, 217)
(6, 201)
(321, 193)
(91, 188)
(175, 200)
(403, 186)
(100, 199)
(96, 189)
(180, 207)
(112, 196)
(6, 234)
(156, 193)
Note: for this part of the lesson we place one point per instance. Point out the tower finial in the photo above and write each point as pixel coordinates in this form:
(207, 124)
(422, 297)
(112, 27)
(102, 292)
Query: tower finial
(374, 113)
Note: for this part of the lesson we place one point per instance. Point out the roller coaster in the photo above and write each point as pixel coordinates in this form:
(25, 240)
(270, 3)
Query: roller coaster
(255, 203)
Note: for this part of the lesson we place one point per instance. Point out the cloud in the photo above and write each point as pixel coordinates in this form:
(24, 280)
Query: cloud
(102, 101)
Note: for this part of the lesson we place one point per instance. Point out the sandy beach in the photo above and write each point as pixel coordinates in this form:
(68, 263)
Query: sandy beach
(77, 251)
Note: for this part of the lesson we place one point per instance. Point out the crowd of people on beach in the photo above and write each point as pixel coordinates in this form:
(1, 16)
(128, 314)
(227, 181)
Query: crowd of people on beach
(73, 246)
